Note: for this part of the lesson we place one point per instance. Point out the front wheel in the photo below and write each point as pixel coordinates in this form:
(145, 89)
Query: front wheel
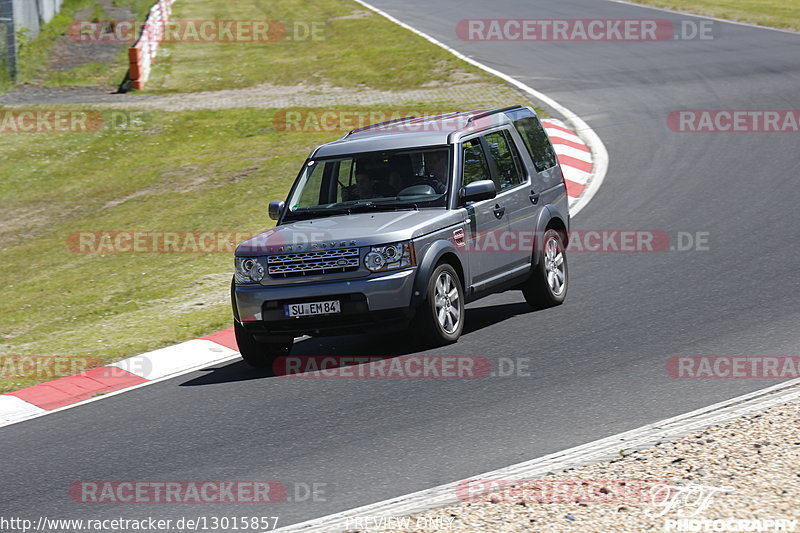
(259, 354)
(547, 284)
(440, 318)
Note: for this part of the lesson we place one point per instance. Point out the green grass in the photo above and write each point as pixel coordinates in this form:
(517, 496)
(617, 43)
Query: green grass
(181, 171)
(89, 74)
(368, 51)
(33, 53)
(776, 13)
(178, 171)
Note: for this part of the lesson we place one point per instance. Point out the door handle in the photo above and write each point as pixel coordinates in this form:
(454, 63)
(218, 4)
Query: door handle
(534, 197)
(499, 211)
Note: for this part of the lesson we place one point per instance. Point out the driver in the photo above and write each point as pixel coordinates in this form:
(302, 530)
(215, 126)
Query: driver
(366, 187)
(362, 189)
(436, 168)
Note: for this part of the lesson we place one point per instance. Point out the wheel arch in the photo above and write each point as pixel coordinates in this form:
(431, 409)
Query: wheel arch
(550, 218)
(439, 252)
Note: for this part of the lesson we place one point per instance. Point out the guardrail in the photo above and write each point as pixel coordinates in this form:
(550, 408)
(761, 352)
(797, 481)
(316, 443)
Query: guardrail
(16, 15)
(143, 52)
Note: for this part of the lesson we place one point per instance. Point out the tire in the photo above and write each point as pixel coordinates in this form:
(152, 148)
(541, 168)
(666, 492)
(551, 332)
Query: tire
(547, 284)
(440, 318)
(259, 354)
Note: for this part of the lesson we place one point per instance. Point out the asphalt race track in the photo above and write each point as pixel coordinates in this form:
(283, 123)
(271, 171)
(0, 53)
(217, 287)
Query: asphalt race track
(597, 363)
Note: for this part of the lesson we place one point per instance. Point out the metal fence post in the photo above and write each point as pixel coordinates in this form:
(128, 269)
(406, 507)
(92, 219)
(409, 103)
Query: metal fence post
(9, 36)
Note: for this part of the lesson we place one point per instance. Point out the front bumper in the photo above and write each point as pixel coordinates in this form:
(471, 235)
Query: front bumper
(364, 302)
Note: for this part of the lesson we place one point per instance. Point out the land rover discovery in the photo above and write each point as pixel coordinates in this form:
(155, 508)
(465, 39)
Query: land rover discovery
(402, 223)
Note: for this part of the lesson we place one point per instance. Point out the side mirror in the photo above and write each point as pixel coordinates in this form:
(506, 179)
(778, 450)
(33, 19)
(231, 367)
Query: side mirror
(478, 190)
(275, 209)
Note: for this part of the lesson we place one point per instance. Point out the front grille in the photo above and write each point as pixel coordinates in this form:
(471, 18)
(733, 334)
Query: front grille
(313, 263)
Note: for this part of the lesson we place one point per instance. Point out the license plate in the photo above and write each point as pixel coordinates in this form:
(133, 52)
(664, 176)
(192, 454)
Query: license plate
(313, 308)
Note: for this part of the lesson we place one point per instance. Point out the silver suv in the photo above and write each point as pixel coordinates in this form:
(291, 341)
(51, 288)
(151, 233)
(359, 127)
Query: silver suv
(400, 224)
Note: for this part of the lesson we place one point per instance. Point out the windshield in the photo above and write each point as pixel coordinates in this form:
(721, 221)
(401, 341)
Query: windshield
(373, 181)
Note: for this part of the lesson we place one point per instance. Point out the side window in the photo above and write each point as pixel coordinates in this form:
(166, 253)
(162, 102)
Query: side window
(506, 160)
(532, 132)
(474, 163)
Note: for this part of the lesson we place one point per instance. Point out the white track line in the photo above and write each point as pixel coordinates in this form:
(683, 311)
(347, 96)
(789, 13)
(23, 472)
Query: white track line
(593, 452)
(171, 360)
(226, 354)
(591, 138)
(13, 409)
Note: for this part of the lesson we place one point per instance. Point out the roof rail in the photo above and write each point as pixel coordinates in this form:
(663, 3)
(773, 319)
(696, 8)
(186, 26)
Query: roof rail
(384, 123)
(492, 112)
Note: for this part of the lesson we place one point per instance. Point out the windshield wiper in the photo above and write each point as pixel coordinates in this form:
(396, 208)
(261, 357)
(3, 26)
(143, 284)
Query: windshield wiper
(372, 206)
(312, 212)
(365, 206)
(358, 207)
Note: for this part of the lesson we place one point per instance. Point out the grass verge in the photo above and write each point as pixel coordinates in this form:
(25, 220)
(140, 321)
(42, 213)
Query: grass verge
(191, 171)
(336, 43)
(775, 13)
(180, 171)
(34, 53)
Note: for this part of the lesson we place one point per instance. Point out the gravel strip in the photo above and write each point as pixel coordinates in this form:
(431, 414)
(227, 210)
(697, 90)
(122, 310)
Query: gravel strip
(757, 456)
(269, 96)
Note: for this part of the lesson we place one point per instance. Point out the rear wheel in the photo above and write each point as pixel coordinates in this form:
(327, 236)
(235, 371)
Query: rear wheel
(547, 285)
(259, 354)
(440, 318)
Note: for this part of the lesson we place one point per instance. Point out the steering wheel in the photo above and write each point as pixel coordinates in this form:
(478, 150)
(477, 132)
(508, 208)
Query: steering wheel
(417, 190)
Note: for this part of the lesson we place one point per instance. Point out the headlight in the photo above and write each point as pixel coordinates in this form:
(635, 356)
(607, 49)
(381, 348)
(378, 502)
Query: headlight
(390, 257)
(248, 270)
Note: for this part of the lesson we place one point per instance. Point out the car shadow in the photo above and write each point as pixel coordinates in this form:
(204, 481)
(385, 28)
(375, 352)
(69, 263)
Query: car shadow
(479, 318)
(390, 344)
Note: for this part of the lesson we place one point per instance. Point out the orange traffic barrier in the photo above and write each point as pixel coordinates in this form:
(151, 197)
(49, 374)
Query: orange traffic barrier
(143, 52)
